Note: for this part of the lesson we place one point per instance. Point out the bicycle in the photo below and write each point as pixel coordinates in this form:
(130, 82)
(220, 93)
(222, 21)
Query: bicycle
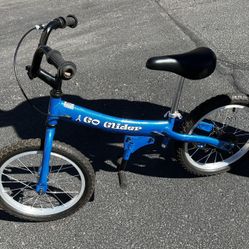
(50, 180)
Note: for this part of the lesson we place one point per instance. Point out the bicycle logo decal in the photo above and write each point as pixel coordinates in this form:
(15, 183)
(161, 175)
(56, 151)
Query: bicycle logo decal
(108, 125)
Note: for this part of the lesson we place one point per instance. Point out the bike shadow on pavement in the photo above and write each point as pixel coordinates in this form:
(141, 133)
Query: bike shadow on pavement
(103, 149)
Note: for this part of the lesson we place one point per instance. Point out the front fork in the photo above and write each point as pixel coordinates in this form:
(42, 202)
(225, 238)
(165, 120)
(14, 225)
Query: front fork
(42, 185)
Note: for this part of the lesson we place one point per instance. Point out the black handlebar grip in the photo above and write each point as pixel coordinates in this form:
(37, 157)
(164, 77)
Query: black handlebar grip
(66, 69)
(71, 21)
(61, 22)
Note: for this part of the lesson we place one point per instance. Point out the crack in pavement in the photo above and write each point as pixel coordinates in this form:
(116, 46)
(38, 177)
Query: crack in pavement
(225, 67)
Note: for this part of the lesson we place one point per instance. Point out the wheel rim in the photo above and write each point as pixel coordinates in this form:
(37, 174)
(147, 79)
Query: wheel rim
(209, 159)
(19, 176)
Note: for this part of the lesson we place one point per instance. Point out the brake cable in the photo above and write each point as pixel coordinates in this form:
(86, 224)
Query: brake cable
(37, 27)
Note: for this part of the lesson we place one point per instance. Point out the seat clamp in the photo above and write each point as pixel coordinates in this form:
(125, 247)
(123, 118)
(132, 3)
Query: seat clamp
(176, 114)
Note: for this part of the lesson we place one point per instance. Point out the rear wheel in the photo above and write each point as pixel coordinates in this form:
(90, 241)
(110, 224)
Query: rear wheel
(228, 118)
(70, 184)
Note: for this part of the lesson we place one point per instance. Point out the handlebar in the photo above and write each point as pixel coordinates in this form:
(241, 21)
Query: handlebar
(65, 69)
(59, 22)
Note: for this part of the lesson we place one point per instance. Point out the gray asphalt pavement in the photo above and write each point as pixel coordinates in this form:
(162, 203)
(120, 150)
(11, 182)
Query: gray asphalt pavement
(163, 206)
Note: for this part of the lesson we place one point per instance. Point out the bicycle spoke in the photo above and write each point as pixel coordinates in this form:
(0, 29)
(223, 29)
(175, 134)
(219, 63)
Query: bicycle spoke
(202, 158)
(35, 200)
(40, 203)
(29, 199)
(238, 131)
(194, 152)
(69, 167)
(192, 148)
(63, 179)
(50, 201)
(15, 179)
(244, 134)
(214, 123)
(21, 188)
(224, 120)
(215, 159)
(68, 192)
(58, 170)
(221, 156)
(243, 143)
(63, 191)
(8, 181)
(26, 167)
(209, 155)
(58, 199)
(238, 147)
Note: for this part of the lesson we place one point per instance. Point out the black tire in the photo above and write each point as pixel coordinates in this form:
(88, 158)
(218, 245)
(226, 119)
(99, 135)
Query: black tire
(84, 174)
(233, 102)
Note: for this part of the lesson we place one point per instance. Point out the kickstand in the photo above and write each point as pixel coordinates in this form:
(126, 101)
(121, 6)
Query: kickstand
(121, 174)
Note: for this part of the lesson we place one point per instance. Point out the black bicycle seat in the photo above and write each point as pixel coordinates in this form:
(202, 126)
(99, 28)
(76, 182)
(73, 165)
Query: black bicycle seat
(196, 64)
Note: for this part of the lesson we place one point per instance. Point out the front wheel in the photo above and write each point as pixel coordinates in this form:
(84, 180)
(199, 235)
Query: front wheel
(70, 184)
(223, 117)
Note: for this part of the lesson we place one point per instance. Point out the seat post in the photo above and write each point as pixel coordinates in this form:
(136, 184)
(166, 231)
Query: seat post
(176, 99)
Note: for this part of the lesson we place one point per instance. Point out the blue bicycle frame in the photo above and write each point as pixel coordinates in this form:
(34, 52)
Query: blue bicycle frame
(138, 133)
